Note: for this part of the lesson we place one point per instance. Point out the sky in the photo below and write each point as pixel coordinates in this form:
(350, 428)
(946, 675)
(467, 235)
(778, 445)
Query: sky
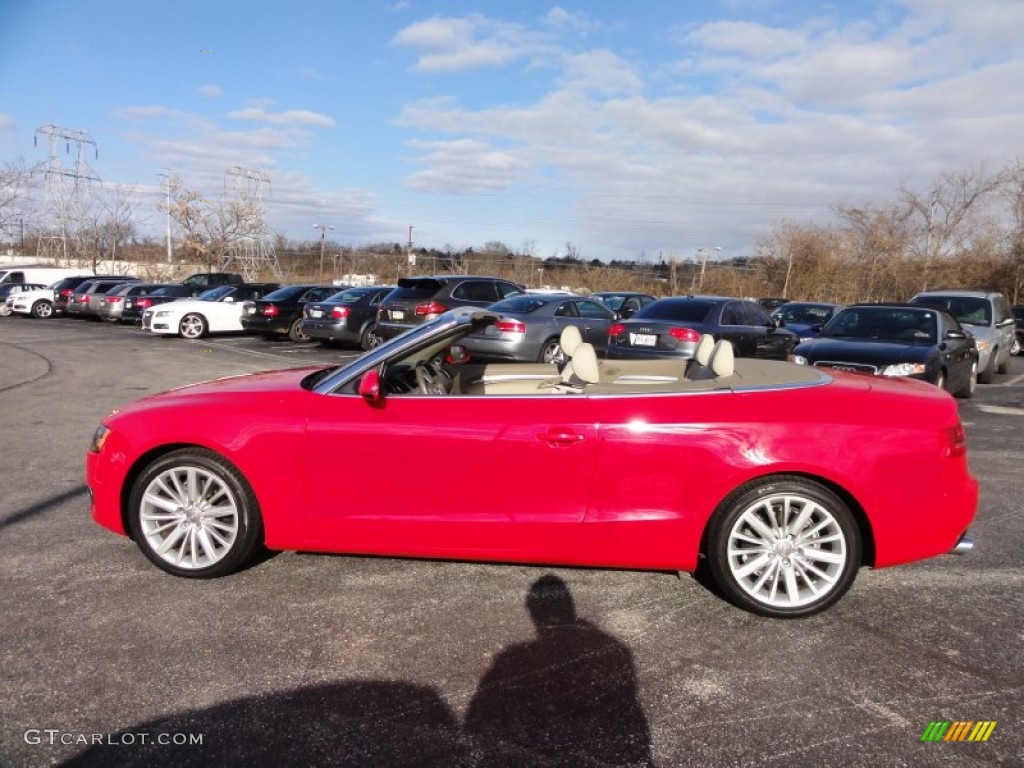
(639, 130)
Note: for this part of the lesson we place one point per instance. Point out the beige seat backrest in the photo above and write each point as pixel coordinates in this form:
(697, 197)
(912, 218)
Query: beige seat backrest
(722, 361)
(697, 368)
(584, 364)
(569, 340)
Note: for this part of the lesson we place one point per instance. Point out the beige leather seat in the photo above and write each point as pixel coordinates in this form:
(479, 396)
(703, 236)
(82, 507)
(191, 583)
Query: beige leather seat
(698, 367)
(569, 341)
(722, 360)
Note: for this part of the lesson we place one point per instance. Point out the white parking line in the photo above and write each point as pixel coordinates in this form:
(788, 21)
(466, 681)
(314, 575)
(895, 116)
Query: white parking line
(1001, 410)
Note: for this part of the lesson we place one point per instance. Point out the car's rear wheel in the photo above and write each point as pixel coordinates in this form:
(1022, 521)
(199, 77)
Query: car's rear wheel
(967, 390)
(42, 309)
(551, 352)
(192, 326)
(296, 332)
(1015, 349)
(784, 547)
(369, 339)
(193, 514)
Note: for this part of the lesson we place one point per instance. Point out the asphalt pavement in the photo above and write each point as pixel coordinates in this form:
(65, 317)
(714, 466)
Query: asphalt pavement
(311, 659)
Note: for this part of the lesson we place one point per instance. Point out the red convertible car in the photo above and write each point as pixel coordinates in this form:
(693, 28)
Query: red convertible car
(783, 480)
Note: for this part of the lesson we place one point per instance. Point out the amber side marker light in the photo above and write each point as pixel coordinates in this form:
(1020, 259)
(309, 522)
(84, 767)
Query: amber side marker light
(99, 437)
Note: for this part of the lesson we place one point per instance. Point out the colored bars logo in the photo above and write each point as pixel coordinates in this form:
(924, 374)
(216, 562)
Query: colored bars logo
(959, 730)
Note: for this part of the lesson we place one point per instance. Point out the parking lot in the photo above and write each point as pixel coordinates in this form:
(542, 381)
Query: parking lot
(331, 660)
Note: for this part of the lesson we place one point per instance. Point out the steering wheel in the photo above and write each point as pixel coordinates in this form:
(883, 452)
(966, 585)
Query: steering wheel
(428, 381)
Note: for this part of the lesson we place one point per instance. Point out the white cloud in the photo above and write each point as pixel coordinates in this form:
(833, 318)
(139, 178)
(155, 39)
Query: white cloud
(460, 44)
(141, 113)
(465, 166)
(288, 117)
(6, 122)
(210, 91)
(601, 72)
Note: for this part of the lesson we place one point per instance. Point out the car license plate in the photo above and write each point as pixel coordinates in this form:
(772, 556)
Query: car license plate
(250, 310)
(397, 315)
(316, 313)
(643, 339)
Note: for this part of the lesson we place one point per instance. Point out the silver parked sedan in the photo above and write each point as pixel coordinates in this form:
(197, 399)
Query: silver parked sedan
(531, 325)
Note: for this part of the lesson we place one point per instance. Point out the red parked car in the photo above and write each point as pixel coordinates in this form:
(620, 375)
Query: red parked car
(784, 479)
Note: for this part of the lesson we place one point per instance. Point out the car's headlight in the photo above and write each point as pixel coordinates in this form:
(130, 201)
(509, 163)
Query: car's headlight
(903, 369)
(799, 359)
(99, 437)
(982, 345)
(162, 313)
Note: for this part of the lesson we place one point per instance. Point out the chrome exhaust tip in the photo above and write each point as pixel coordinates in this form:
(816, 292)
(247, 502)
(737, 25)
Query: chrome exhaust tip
(964, 545)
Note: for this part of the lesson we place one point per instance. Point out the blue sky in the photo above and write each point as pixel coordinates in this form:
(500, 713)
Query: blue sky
(627, 129)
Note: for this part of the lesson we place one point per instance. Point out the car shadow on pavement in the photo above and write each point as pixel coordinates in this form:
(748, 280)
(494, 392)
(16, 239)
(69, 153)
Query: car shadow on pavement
(569, 698)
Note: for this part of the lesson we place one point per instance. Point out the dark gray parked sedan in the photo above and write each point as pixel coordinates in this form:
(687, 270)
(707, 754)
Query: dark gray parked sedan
(347, 316)
(531, 325)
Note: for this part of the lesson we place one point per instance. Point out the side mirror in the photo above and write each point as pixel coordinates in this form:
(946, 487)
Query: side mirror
(456, 355)
(229, 299)
(369, 387)
(956, 335)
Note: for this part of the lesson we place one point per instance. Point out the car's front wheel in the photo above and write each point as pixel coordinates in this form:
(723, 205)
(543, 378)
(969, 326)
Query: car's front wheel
(784, 547)
(967, 390)
(192, 326)
(193, 514)
(42, 309)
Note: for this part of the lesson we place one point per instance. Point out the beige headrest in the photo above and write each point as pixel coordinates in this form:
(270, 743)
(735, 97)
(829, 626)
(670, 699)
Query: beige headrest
(721, 362)
(569, 340)
(584, 364)
(703, 352)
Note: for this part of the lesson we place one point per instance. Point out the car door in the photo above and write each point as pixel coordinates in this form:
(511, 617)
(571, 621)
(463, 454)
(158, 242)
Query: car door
(1005, 326)
(595, 320)
(958, 354)
(453, 475)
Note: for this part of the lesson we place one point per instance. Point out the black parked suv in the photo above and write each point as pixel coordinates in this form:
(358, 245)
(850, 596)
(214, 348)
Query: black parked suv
(347, 316)
(418, 299)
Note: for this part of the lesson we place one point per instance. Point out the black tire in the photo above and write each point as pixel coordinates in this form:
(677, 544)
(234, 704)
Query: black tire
(296, 334)
(369, 339)
(986, 376)
(202, 545)
(1004, 367)
(800, 575)
(551, 352)
(193, 326)
(42, 309)
(967, 390)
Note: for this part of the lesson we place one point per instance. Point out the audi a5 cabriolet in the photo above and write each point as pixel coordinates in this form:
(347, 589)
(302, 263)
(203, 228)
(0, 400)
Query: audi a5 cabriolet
(782, 480)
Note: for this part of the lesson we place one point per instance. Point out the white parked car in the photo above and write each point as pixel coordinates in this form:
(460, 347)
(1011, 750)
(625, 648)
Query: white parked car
(218, 310)
(9, 290)
(37, 302)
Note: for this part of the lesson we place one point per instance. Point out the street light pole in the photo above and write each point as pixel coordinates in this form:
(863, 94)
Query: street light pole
(170, 252)
(323, 237)
(704, 264)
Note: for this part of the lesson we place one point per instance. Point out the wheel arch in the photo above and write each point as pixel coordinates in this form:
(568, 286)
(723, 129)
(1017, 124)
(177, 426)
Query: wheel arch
(863, 523)
(147, 458)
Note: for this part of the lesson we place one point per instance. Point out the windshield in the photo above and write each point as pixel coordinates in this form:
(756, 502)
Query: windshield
(520, 303)
(884, 323)
(676, 310)
(809, 314)
(968, 310)
(348, 296)
(214, 294)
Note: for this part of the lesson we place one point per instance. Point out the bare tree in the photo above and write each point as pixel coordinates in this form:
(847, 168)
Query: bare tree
(211, 227)
(15, 186)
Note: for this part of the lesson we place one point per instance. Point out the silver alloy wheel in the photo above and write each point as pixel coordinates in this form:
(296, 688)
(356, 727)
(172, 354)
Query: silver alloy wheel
(552, 353)
(42, 309)
(1015, 348)
(189, 517)
(192, 326)
(941, 381)
(786, 551)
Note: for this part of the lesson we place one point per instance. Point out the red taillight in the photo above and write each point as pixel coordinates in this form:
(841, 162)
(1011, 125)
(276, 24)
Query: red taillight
(340, 313)
(114, 299)
(511, 326)
(143, 303)
(84, 298)
(616, 330)
(431, 308)
(953, 441)
(271, 310)
(66, 292)
(684, 334)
